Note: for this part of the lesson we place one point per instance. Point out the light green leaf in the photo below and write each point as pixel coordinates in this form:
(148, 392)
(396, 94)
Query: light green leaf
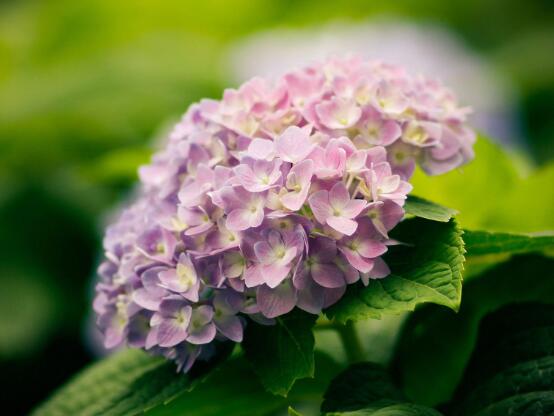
(126, 383)
(282, 353)
(480, 243)
(491, 194)
(427, 269)
(435, 345)
(512, 368)
(292, 412)
(469, 188)
(429, 210)
(367, 389)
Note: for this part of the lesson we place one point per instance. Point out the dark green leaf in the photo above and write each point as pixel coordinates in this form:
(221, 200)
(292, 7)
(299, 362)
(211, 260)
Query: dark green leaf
(234, 390)
(511, 371)
(367, 389)
(399, 409)
(282, 353)
(126, 383)
(427, 269)
(429, 210)
(480, 243)
(435, 345)
(359, 386)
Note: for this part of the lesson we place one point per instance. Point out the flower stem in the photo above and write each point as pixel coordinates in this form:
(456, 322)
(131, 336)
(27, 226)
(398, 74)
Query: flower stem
(351, 342)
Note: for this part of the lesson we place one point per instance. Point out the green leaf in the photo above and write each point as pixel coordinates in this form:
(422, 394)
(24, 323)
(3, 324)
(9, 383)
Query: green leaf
(480, 243)
(512, 368)
(486, 249)
(292, 412)
(359, 386)
(235, 390)
(126, 383)
(367, 389)
(402, 409)
(435, 345)
(491, 194)
(282, 353)
(429, 210)
(427, 269)
(467, 191)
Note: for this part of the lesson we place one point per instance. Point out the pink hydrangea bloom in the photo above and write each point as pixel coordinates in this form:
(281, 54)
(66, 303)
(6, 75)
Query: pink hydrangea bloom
(278, 196)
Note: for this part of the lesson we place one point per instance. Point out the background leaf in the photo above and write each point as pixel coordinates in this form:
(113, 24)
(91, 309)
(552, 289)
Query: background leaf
(492, 194)
(367, 389)
(435, 345)
(486, 249)
(428, 269)
(282, 353)
(423, 208)
(512, 368)
(479, 243)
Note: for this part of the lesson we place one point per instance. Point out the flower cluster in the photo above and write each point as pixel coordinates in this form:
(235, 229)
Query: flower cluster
(277, 196)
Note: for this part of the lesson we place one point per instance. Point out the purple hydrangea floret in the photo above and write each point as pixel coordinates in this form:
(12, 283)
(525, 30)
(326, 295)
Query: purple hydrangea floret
(279, 195)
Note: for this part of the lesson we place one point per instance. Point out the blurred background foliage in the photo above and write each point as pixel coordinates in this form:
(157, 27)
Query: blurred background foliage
(87, 86)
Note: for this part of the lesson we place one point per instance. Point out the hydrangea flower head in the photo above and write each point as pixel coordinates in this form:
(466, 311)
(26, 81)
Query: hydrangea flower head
(277, 196)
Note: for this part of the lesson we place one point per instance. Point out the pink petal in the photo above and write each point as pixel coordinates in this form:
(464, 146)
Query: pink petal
(338, 196)
(230, 326)
(371, 248)
(294, 144)
(253, 276)
(327, 275)
(274, 274)
(353, 208)
(276, 302)
(170, 333)
(203, 336)
(342, 225)
(261, 149)
(264, 252)
(360, 263)
(319, 203)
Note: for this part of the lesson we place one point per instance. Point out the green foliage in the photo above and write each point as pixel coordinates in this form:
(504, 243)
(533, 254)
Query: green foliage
(423, 208)
(235, 390)
(367, 389)
(485, 249)
(282, 353)
(511, 371)
(435, 345)
(491, 194)
(126, 383)
(480, 243)
(428, 268)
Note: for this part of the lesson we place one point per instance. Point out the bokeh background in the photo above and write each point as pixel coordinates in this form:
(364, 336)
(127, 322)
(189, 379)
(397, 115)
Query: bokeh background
(87, 87)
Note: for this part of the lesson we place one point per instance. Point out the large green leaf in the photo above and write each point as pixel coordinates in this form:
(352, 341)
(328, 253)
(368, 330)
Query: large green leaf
(234, 390)
(126, 383)
(367, 389)
(435, 344)
(423, 208)
(511, 371)
(282, 353)
(428, 268)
